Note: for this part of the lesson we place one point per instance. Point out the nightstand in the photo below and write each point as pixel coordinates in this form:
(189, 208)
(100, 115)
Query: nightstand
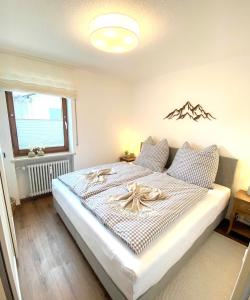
(241, 207)
(127, 158)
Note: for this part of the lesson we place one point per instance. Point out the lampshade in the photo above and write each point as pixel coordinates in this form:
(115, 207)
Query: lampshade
(114, 33)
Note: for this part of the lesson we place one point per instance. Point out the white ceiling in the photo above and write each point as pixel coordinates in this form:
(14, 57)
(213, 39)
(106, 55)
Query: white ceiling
(175, 34)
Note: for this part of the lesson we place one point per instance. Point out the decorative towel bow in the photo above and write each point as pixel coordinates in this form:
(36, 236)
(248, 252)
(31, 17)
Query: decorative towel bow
(137, 196)
(98, 176)
(94, 177)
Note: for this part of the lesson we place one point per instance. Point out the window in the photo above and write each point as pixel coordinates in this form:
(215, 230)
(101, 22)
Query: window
(37, 120)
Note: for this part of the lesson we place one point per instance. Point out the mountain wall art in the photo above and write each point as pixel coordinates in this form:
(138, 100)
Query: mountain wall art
(189, 111)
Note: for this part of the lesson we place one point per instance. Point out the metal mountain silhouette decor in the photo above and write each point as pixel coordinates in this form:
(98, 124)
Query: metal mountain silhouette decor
(188, 110)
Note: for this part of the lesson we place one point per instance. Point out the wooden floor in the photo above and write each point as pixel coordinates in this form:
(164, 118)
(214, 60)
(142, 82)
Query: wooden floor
(50, 264)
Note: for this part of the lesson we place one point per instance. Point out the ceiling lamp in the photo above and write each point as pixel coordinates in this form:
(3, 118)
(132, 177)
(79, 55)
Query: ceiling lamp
(115, 33)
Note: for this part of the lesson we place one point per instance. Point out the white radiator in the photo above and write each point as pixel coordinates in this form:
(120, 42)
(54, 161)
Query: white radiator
(41, 175)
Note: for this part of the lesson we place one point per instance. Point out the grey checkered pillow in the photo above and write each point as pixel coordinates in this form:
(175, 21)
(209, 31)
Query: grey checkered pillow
(196, 167)
(149, 140)
(153, 157)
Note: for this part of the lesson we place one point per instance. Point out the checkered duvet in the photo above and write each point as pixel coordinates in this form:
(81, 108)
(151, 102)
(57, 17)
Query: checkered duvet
(138, 229)
(122, 173)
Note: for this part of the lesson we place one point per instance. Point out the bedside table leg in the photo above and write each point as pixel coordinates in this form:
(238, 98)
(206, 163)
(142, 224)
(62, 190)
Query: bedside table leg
(231, 223)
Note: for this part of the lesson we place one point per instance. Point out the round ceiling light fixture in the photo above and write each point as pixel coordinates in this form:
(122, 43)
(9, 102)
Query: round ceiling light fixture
(115, 33)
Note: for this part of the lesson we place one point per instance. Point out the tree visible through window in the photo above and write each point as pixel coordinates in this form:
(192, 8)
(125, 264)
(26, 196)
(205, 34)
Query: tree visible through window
(37, 120)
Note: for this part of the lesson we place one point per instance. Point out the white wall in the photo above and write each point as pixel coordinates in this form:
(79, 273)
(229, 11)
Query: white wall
(114, 116)
(6, 146)
(102, 111)
(222, 88)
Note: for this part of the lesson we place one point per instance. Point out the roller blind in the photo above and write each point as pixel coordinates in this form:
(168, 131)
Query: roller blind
(18, 85)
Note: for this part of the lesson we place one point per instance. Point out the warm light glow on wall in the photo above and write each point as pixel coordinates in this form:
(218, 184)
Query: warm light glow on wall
(130, 141)
(115, 33)
(242, 175)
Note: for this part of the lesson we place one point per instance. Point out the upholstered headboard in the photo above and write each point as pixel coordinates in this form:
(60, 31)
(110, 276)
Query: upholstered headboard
(226, 170)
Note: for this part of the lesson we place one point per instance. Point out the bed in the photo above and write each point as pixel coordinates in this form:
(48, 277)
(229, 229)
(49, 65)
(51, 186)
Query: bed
(126, 275)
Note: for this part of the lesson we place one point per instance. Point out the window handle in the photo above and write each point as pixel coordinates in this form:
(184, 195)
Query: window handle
(66, 125)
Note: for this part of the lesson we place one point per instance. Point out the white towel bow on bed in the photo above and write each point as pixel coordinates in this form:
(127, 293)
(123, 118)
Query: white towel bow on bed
(98, 176)
(137, 195)
(94, 177)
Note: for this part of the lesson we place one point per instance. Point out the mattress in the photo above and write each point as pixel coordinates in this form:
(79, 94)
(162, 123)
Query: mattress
(135, 274)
